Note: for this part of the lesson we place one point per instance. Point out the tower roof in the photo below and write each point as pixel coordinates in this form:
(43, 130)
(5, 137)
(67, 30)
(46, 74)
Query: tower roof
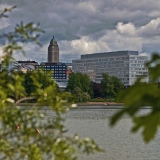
(53, 40)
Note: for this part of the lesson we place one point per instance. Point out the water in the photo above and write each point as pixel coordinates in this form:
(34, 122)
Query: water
(119, 143)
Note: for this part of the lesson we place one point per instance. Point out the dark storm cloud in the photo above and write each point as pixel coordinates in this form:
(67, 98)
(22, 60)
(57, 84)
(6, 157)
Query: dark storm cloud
(86, 26)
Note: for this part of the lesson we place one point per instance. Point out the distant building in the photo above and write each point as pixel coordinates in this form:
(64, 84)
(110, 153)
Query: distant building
(58, 71)
(53, 51)
(69, 69)
(27, 65)
(126, 65)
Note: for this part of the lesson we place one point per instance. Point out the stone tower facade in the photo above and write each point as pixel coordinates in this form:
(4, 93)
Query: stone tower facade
(53, 51)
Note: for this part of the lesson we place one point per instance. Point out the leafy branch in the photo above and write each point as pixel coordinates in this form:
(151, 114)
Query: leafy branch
(28, 132)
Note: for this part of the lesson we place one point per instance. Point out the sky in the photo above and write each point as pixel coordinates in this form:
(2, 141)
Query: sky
(86, 26)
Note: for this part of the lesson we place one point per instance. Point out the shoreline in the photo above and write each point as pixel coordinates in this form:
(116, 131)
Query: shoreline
(99, 104)
(80, 104)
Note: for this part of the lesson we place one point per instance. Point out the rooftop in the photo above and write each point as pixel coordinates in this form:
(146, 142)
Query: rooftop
(109, 54)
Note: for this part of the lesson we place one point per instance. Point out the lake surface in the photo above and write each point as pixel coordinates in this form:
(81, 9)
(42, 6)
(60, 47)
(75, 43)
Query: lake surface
(119, 143)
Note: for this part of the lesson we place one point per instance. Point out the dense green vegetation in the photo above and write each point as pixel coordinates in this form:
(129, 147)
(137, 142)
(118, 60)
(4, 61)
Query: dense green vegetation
(26, 133)
(110, 86)
(80, 86)
(83, 89)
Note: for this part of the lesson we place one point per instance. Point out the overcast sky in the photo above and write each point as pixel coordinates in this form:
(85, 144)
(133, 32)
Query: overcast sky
(87, 26)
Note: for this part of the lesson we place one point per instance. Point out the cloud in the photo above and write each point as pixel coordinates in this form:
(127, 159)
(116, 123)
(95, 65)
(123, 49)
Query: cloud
(151, 29)
(128, 28)
(87, 26)
(85, 45)
(143, 54)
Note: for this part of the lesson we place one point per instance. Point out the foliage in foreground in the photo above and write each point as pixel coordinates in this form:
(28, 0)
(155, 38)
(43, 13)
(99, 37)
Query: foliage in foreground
(138, 97)
(27, 133)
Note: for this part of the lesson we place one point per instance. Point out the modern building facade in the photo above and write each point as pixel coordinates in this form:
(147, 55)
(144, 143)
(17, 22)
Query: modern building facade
(53, 51)
(58, 69)
(58, 72)
(126, 65)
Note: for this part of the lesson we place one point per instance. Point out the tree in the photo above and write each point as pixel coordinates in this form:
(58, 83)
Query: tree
(26, 133)
(139, 96)
(118, 85)
(12, 84)
(81, 96)
(86, 97)
(110, 86)
(96, 87)
(107, 87)
(67, 96)
(73, 82)
(29, 85)
(81, 81)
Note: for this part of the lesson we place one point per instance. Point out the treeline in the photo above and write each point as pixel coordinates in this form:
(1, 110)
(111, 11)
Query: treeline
(79, 88)
(83, 89)
(28, 85)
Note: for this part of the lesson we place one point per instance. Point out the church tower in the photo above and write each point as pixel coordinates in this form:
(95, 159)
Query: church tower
(53, 51)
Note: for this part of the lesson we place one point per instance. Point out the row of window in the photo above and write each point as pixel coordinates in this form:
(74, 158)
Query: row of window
(102, 66)
(140, 58)
(141, 69)
(50, 66)
(115, 60)
(140, 72)
(138, 65)
(105, 64)
(58, 74)
(56, 77)
(102, 59)
(138, 62)
(111, 59)
(100, 63)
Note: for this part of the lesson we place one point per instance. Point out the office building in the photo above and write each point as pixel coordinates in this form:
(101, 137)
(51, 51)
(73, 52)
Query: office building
(126, 65)
(58, 72)
(58, 69)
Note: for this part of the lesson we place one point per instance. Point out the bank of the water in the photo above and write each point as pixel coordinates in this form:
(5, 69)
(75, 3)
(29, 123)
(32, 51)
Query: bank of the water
(100, 104)
(81, 104)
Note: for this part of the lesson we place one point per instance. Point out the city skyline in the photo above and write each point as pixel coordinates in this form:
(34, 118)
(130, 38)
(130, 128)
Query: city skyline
(85, 27)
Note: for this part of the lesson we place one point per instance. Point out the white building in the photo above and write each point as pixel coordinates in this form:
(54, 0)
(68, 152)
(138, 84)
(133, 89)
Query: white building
(27, 65)
(126, 65)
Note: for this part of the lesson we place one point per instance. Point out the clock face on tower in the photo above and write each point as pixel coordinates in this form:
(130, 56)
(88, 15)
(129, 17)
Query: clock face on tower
(53, 51)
